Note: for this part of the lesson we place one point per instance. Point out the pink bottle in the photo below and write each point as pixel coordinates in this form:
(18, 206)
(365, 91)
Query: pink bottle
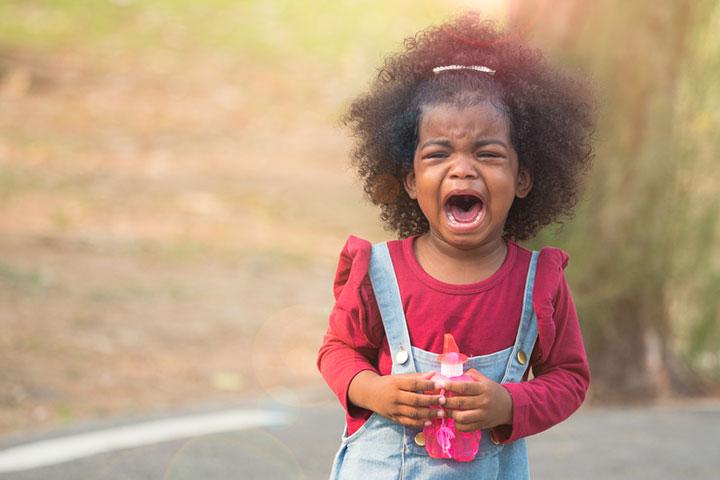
(441, 438)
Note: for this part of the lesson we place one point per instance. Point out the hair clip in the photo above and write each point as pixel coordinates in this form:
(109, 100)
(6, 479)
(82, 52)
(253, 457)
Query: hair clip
(477, 68)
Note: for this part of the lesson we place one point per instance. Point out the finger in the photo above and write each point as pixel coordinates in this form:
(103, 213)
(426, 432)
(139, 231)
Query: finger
(415, 382)
(468, 420)
(464, 388)
(464, 402)
(417, 399)
(469, 427)
(419, 414)
(476, 375)
(466, 417)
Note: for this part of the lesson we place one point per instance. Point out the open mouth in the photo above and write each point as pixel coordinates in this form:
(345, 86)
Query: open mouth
(463, 209)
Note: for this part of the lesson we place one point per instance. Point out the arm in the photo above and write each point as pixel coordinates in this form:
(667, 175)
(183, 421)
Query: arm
(395, 396)
(343, 361)
(350, 344)
(560, 367)
(348, 356)
(343, 356)
(562, 375)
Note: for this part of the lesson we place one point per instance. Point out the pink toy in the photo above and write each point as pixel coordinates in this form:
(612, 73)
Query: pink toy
(441, 438)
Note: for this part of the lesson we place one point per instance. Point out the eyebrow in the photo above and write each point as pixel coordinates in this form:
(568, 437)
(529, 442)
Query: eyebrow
(478, 143)
(490, 141)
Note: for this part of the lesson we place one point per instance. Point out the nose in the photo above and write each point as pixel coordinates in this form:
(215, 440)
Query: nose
(463, 166)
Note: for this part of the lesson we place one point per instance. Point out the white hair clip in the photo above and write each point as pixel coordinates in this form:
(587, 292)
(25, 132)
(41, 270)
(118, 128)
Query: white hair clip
(477, 68)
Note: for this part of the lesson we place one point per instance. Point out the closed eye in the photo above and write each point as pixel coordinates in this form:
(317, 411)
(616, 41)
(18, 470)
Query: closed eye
(486, 154)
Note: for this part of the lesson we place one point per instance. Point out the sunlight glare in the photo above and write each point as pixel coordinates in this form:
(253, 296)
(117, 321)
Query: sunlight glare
(497, 9)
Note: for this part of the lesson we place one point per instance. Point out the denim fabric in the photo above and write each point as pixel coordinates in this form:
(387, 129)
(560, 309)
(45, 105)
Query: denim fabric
(387, 450)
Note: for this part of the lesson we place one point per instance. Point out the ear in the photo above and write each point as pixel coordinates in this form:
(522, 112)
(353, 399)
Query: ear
(409, 183)
(524, 183)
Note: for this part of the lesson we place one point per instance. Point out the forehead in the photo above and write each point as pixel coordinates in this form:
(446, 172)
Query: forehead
(461, 122)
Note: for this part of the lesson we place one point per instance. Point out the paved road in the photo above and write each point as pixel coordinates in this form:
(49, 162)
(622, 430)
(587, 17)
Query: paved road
(597, 443)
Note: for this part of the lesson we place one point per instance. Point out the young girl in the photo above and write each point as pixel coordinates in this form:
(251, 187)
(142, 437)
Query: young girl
(469, 142)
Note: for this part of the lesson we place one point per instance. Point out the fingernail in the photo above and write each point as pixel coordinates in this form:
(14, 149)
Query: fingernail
(441, 400)
(440, 384)
(428, 423)
(441, 413)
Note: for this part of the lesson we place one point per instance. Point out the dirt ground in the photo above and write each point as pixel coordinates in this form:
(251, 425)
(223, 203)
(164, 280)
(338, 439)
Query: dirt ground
(160, 245)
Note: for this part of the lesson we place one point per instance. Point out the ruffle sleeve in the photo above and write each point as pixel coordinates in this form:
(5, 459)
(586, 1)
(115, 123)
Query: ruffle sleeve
(355, 331)
(550, 275)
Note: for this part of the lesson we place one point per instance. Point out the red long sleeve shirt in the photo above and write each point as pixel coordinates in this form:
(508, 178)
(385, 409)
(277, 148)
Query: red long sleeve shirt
(483, 317)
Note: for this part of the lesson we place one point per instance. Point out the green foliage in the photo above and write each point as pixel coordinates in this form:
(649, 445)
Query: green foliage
(645, 238)
(697, 264)
(259, 30)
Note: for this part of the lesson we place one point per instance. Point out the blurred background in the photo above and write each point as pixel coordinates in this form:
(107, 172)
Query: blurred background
(175, 189)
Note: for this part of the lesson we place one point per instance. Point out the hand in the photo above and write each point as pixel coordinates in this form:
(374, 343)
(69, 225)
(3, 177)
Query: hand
(480, 404)
(395, 396)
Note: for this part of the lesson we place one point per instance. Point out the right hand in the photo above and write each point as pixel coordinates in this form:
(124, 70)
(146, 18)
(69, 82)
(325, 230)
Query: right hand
(395, 397)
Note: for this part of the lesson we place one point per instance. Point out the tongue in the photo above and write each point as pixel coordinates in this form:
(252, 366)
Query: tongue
(465, 216)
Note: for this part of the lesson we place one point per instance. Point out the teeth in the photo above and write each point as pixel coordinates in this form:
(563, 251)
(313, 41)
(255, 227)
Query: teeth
(454, 221)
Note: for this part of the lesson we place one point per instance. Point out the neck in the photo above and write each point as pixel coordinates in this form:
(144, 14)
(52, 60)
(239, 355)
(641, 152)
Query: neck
(450, 264)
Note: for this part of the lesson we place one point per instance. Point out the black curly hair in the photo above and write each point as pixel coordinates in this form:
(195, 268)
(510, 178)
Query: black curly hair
(550, 115)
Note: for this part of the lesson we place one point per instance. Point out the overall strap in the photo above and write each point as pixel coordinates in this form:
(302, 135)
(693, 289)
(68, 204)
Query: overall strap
(527, 331)
(387, 295)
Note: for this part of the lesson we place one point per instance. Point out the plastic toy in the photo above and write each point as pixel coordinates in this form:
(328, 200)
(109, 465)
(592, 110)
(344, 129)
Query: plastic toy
(441, 438)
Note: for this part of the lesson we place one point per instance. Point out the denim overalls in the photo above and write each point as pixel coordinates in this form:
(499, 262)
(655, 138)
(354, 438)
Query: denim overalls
(382, 449)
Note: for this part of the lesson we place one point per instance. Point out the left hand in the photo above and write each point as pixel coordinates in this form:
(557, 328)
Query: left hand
(480, 404)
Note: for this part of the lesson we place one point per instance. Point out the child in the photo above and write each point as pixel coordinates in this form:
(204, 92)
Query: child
(469, 142)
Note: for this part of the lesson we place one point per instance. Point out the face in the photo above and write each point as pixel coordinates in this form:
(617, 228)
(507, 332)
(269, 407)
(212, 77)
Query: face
(465, 174)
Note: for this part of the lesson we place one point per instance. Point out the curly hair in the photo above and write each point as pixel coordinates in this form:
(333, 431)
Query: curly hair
(550, 114)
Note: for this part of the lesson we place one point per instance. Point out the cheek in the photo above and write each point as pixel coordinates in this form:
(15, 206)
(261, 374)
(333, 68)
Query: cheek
(426, 198)
(503, 187)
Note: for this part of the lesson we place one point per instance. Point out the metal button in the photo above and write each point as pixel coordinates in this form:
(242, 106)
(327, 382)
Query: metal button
(522, 357)
(493, 439)
(402, 356)
(420, 439)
